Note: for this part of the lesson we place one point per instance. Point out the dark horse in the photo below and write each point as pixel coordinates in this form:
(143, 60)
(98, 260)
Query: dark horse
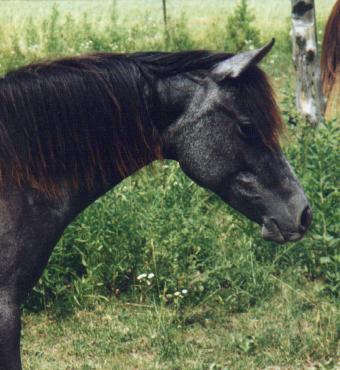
(73, 128)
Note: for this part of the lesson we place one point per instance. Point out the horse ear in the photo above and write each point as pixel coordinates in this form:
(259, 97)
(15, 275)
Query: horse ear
(233, 67)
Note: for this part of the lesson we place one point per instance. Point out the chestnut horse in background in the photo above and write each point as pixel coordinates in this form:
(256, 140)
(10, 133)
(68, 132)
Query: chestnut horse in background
(330, 63)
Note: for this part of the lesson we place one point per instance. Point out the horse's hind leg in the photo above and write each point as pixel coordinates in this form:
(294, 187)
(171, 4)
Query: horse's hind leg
(29, 228)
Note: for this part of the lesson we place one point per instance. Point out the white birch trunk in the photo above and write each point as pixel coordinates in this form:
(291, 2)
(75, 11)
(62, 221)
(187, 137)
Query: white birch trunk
(309, 98)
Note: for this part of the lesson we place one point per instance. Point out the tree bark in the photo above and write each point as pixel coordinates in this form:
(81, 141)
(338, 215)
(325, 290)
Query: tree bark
(309, 98)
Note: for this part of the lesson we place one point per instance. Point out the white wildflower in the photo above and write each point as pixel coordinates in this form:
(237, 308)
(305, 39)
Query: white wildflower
(151, 275)
(177, 294)
(141, 276)
(184, 291)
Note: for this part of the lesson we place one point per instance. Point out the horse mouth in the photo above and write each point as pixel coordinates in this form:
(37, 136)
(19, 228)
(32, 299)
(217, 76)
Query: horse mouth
(271, 231)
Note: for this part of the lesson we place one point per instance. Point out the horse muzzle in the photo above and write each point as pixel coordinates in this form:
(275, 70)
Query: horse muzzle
(271, 229)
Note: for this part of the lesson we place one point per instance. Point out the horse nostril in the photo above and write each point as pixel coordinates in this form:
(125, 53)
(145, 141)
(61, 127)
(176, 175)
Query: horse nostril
(306, 219)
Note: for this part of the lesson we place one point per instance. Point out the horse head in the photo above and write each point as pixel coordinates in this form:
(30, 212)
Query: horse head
(226, 139)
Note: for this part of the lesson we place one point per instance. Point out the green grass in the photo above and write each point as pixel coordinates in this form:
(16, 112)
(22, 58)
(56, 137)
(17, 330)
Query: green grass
(293, 330)
(250, 304)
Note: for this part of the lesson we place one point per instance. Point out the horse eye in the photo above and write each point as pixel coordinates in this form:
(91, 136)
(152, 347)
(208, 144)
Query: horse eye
(248, 132)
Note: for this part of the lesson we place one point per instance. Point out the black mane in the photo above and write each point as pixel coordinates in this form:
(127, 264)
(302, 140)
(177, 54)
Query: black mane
(165, 64)
(81, 118)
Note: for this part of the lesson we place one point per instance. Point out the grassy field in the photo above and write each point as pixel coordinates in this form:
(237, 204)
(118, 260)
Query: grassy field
(292, 330)
(219, 297)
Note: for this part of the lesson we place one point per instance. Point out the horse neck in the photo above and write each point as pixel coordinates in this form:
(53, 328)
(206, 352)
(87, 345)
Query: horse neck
(173, 97)
(168, 99)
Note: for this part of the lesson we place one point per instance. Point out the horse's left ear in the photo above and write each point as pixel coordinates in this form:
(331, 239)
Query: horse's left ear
(233, 67)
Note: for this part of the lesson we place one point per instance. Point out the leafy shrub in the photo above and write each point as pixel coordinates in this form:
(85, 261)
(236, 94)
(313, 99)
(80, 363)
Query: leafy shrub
(241, 32)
